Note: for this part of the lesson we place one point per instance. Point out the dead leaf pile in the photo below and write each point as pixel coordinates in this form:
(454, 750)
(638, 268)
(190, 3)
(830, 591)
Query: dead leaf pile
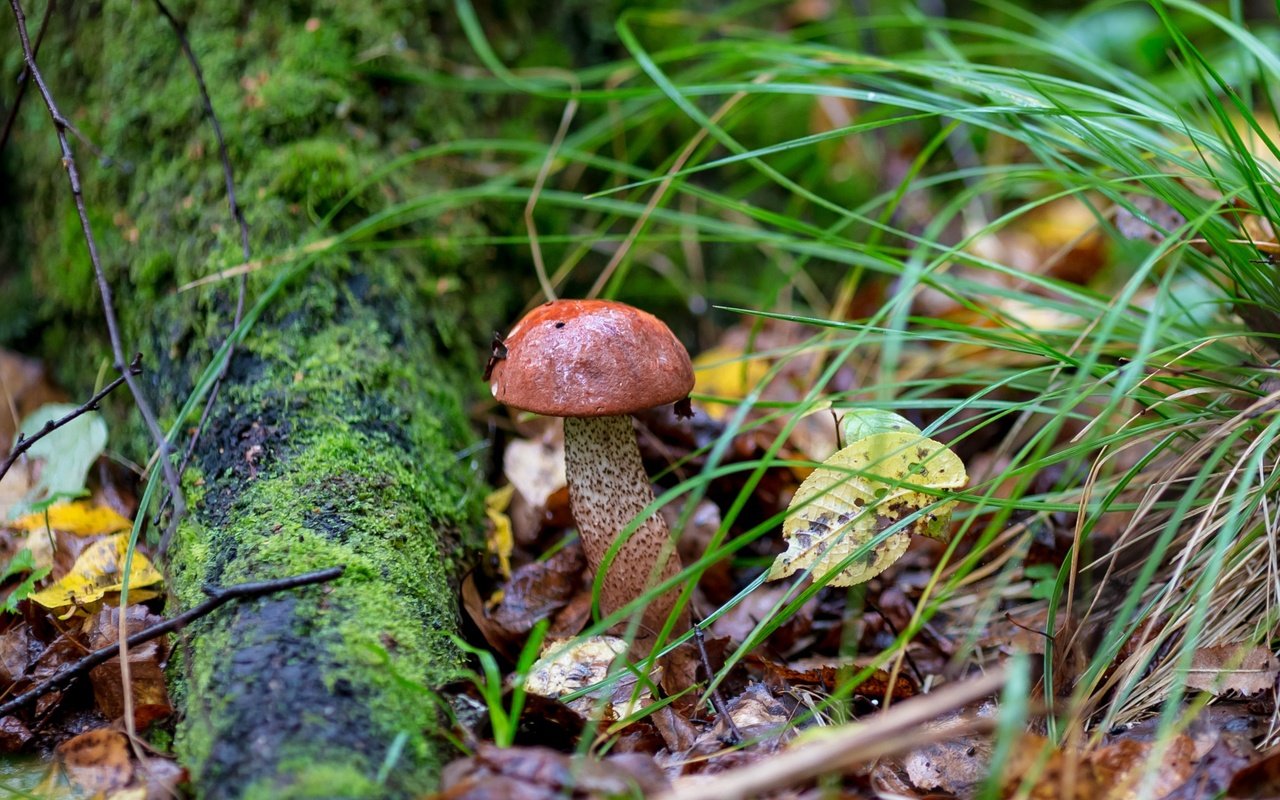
(64, 535)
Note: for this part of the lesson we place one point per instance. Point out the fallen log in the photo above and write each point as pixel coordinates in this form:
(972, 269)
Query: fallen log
(338, 434)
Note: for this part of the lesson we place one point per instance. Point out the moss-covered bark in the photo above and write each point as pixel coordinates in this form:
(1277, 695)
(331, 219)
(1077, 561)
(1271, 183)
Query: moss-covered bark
(338, 433)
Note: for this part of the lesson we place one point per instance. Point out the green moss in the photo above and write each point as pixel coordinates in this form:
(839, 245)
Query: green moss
(317, 780)
(316, 173)
(343, 440)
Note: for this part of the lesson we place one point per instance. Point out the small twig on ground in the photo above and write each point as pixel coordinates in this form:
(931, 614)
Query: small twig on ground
(237, 214)
(217, 597)
(25, 443)
(717, 702)
(61, 126)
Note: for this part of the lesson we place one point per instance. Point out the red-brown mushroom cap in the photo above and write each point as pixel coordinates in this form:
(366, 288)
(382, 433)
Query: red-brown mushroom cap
(591, 358)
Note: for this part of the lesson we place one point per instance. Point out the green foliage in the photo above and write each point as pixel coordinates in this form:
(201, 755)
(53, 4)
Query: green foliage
(22, 563)
(504, 716)
(67, 452)
(1135, 398)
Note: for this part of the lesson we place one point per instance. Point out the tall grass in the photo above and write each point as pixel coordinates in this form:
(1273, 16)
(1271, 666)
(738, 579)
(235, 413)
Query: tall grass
(1133, 409)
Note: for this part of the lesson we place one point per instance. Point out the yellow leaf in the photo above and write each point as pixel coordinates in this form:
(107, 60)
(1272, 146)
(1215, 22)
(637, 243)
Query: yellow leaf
(79, 517)
(500, 541)
(846, 505)
(96, 572)
(727, 374)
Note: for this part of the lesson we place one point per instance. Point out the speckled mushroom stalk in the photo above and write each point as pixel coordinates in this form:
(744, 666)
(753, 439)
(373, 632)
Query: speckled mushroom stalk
(596, 362)
(608, 489)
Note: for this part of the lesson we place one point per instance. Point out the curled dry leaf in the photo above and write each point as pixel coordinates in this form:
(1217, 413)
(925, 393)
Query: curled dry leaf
(835, 523)
(539, 589)
(17, 650)
(565, 668)
(765, 722)
(1233, 667)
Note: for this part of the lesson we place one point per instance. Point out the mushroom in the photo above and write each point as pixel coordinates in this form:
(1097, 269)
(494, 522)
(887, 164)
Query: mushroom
(596, 362)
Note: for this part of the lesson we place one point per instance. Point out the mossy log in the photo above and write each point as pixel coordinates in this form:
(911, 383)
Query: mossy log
(339, 435)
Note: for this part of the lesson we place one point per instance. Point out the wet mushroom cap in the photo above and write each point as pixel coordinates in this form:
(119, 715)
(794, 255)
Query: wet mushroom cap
(591, 358)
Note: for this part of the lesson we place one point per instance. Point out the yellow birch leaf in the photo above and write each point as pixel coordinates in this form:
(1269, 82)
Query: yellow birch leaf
(96, 572)
(842, 510)
(500, 541)
(727, 374)
(79, 517)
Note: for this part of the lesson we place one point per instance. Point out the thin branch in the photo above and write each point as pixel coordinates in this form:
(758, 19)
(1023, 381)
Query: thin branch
(237, 214)
(23, 74)
(217, 597)
(60, 125)
(25, 443)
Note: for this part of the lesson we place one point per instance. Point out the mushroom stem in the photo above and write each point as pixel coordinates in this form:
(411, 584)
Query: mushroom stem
(608, 488)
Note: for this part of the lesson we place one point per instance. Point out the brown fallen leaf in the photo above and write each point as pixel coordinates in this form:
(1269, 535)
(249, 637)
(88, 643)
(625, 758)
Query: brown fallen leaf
(535, 592)
(146, 668)
(1233, 667)
(738, 623)
(538, 590)
(97, 760)
(829, 676)
(1216, 769)
(63, 650)
(163, 777)
(1117, 771)
(13, 735)
(1261, 779)
(535, 773)
(1121, 769)
(16, 653)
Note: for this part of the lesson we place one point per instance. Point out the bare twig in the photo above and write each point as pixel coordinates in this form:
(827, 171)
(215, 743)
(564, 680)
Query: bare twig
(23, 75)
(25, 443)
(61, 126)
(217, 597)
(22, 82)
(237, 214)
